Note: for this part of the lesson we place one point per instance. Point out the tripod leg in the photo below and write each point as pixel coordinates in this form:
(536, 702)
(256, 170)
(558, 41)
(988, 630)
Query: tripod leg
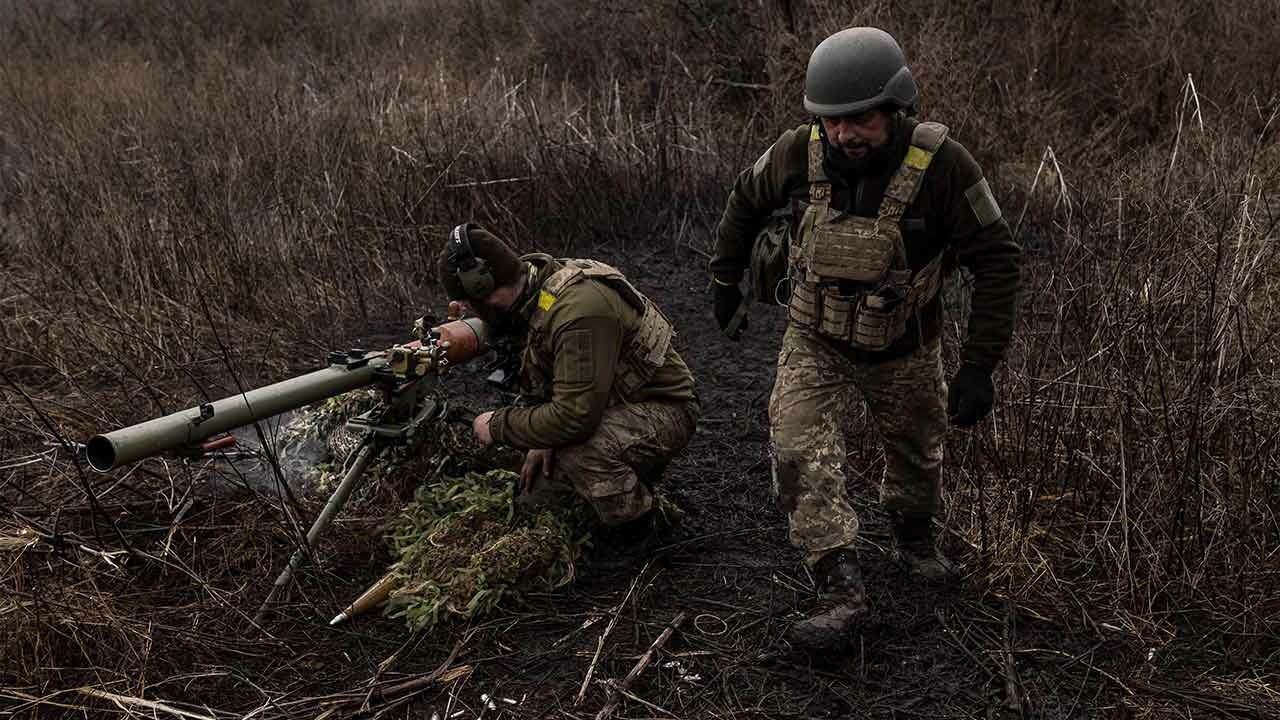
(364, 455)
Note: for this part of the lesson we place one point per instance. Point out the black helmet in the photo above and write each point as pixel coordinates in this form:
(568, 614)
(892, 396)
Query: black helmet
(855, 70)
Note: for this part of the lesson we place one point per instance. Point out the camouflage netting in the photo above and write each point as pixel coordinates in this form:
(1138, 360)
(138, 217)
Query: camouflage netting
(463, 548)
(316, 442)
(315, 447)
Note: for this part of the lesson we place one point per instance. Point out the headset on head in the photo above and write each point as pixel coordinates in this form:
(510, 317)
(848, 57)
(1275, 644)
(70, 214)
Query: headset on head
(472, 271)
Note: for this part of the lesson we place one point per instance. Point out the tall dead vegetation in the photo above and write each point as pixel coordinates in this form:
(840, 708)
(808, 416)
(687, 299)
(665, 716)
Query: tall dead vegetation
(180, 177)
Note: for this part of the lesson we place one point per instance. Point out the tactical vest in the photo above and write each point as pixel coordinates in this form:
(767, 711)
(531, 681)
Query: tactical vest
(864, 253)
(644, 350)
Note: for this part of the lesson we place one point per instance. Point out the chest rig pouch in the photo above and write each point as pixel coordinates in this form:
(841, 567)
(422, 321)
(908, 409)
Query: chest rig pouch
(643, 352)
(850, 274)
(770, 260)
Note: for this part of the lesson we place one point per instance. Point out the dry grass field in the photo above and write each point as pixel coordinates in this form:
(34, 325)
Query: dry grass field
(200, 196)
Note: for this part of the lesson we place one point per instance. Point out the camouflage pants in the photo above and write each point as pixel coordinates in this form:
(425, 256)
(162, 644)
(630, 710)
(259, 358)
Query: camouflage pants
(614, 469)
(812, 398)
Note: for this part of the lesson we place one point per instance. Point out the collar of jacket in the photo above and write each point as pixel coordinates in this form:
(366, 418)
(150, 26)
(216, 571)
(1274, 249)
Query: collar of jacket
(541, 266)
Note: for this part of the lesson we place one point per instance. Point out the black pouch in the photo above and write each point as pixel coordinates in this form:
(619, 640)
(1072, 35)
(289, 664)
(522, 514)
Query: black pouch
(770, 260)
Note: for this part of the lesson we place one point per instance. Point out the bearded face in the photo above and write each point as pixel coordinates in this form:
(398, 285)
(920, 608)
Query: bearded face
(504, 321)
(861, 143)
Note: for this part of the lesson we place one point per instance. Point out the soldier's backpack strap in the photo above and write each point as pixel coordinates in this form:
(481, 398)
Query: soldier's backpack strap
(573, 270)
(926, 140)
(612, 276)
(819, 185)
(568, 274)
(819, 201)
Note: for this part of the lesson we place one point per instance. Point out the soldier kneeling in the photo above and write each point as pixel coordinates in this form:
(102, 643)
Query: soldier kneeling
(611, 401)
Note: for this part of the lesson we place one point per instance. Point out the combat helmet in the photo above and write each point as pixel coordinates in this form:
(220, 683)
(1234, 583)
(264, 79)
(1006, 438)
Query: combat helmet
(855, 70)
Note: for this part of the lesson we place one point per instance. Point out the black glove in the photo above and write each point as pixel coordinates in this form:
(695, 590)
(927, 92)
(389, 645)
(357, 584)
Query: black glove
(969, 396)
(728, 298)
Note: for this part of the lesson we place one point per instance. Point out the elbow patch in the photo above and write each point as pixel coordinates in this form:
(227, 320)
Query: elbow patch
(983, 203)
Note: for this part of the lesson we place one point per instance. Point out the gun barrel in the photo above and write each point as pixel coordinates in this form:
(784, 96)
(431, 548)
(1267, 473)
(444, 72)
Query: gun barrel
(188, 427)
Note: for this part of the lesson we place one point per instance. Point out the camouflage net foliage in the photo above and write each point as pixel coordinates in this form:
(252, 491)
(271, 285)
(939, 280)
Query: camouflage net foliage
(463, 548)
(463, 544)
(316, 441)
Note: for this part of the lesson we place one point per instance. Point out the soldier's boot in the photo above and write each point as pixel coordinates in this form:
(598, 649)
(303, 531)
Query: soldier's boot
(915, 547)
(624, 545)
(842, 605)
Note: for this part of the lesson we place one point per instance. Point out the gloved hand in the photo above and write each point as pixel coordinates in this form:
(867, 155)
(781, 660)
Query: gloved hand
(970, 396)
(727, 300)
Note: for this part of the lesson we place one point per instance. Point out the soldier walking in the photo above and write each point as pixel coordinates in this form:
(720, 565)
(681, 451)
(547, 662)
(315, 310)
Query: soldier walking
(884, 208)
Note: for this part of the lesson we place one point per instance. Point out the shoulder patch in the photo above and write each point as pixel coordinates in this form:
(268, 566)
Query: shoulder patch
(545, 300)
(983, 203)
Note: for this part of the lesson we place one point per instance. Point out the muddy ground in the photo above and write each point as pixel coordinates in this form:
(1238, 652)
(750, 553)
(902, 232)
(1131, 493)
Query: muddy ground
(955, 651)
(929, 652)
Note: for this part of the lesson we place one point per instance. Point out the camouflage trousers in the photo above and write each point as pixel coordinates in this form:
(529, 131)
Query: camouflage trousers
(812, 399)
(615, 468)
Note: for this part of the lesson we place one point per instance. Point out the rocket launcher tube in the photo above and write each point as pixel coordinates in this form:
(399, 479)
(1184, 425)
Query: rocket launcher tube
(458, 341)
(189, 427)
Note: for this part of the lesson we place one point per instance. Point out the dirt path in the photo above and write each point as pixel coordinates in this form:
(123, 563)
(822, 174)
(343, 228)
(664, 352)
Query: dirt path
(929, 652)
(935, 652)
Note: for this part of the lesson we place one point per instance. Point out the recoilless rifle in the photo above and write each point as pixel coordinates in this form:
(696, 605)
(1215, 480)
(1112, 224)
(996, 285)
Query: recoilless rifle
(401, 372)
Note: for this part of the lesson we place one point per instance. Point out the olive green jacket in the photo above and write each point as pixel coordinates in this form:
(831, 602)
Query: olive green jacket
(954, 213)
(571, 361)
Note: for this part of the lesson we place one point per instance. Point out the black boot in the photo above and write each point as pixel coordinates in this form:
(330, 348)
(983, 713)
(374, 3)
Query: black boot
(915, 547)
(618, 547)
(842, 604)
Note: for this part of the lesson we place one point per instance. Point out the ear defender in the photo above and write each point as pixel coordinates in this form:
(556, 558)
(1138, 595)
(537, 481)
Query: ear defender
(473, 273)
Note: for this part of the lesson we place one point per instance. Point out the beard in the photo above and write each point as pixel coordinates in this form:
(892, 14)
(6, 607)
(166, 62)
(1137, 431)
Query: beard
(874, 160)
(511, 321)
(505, 323)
